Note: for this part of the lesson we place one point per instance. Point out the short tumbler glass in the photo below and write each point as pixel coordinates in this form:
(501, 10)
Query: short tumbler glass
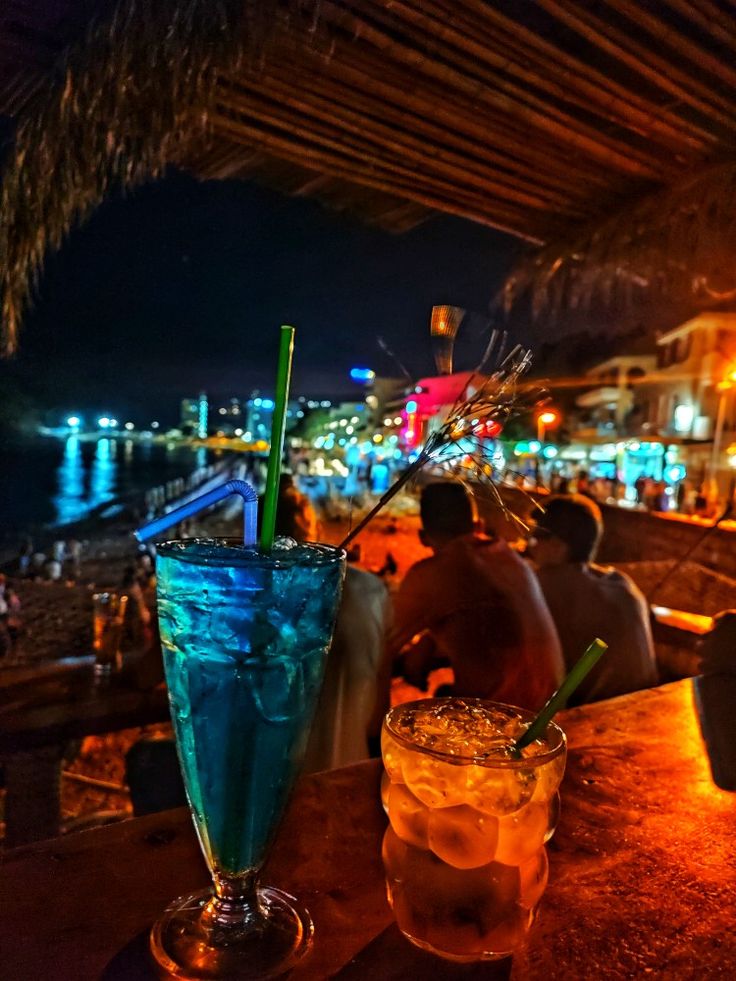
(464, 852)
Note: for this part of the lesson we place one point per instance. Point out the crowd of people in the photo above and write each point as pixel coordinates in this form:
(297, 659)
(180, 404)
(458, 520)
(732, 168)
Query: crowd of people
(650, 493)
(61, 562)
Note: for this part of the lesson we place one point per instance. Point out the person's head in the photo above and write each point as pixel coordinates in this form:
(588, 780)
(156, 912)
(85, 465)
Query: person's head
(568, 530)
(447, 511)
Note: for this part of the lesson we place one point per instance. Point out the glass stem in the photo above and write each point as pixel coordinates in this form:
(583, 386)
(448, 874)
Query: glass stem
(236, 904)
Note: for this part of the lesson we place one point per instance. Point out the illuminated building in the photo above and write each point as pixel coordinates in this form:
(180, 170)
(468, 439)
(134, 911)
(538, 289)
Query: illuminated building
(193, 416)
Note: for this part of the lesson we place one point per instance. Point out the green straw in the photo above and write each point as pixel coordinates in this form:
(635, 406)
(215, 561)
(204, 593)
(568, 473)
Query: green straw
(283, 379)
(560, 697)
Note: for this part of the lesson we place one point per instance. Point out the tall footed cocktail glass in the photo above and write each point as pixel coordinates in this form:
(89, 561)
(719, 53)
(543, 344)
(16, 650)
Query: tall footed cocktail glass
(245, 635)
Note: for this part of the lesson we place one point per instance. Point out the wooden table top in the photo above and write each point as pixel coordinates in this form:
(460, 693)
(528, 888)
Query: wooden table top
(642, 878)
(60, 702)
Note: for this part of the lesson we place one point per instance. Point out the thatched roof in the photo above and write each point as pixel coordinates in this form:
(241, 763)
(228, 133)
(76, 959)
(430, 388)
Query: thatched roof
(604, 132)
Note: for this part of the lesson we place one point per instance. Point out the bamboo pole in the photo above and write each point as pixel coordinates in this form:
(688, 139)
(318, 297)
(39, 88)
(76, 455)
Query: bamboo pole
(509, 143)
(429, 159)
(701, 58)
(515, 223)
(550, 121)
(665, 74)
(551, 162)
(708, 17)
(454, 41)
(612, 100)
(356, 153)
(426, 135)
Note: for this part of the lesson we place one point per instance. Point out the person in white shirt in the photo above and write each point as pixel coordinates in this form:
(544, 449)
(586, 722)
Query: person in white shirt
(355, 694)
(588, 601)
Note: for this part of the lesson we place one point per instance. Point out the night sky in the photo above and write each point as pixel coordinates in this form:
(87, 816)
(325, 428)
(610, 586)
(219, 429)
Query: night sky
(183, 285)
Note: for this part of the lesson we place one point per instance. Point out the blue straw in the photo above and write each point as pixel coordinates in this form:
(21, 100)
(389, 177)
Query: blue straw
(241, 487)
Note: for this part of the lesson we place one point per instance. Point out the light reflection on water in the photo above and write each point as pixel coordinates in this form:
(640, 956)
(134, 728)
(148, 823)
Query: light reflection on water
(102, 478)
(85, 481)
(70, 501)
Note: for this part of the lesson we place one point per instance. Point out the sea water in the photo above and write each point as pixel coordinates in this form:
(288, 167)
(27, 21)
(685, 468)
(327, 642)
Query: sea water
(245, 638)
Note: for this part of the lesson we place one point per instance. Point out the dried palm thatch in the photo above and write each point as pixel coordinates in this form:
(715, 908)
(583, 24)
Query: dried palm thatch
(678, 243)
(125, 101)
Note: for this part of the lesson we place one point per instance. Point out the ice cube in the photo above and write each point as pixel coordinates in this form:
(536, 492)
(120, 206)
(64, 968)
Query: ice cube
(500, 790)
(522, 834)
(392, 756)
(408, 815)
(461, 836)
(435, 782)
(278, 688)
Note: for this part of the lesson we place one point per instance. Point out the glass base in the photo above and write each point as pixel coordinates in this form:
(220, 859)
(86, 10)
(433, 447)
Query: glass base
(457, 958)
(186, 947)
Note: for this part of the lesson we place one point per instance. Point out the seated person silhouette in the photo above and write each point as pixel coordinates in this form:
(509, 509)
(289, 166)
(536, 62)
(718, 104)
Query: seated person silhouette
(476, 603)
(588, 601)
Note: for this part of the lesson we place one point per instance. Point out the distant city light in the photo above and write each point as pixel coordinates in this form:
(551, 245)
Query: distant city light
(113, 423)
(103, 422)
(154, 425)
(364, 376)
(238, 432)
(74, 422)
(129, 426)
(411, 406)
(326, 404)
(549, 452)
(223, 411)
(397, 420)
(534, 446)
(267, 403)
(258, 402)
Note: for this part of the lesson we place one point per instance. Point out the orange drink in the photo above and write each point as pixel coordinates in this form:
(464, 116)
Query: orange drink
(464, 853)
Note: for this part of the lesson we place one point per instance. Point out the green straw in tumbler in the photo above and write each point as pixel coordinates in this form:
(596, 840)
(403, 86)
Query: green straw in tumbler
(283, 379)
(558, 700)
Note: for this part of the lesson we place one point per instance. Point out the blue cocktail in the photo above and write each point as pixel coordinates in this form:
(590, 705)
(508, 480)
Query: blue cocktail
(244, 636)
